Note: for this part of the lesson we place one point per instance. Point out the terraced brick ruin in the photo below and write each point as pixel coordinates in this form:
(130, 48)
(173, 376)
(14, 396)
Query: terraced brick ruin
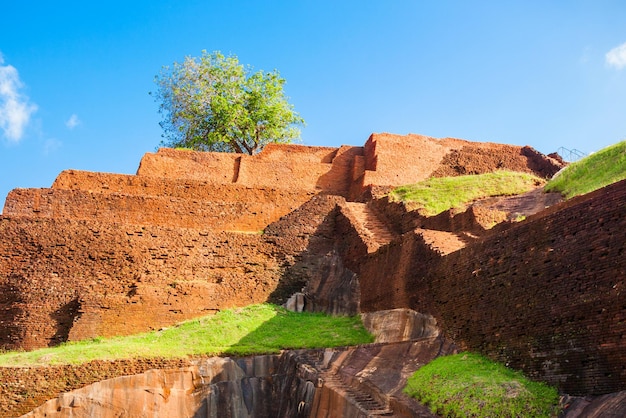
(193, 233)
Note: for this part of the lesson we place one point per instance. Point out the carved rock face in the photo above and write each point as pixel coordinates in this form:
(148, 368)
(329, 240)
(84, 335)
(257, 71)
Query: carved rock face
(350, 382)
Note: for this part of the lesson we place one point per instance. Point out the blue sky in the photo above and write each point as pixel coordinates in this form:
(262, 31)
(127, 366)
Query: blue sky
(75, 75)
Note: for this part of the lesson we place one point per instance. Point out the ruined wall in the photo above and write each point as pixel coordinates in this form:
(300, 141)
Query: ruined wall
(172, 187)
(278, 166)
(402, 159)
(305, 241)
(545, 295)
(233, 208)
(392, 160)
(473, 221)
(487, 157)
(383, 276)
(295, 167)
(68, 280)
(246, 193)
(213, 167)
(105, 254)
(102, 254)
(384, 160)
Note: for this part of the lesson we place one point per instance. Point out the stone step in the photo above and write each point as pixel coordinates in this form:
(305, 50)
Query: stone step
(376, 229)
(441, 241)
(363, 400)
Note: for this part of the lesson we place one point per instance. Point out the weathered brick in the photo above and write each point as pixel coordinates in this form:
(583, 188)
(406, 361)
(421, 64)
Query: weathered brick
(546, 295)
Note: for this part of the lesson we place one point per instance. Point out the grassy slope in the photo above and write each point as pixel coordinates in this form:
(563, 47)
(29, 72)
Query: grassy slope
(469, 385)
(255, 329)
(591, 173)
(436, 195)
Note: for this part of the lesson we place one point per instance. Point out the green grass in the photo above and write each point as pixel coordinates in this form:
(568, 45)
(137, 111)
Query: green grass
(469, 385)
(600, 169)
(255, 329)
(436, 195)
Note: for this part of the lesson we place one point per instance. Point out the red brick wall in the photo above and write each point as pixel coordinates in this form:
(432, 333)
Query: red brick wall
(63, 279)
(401, 159)
(214, 167)
(393, 160)
(104, 254)
(225, 208)
(279, 166)
(547, 295)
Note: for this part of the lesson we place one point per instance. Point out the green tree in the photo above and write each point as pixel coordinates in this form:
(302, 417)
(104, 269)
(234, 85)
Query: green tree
(214, 103)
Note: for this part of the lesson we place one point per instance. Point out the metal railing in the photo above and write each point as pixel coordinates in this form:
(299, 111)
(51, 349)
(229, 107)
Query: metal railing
(570, 155)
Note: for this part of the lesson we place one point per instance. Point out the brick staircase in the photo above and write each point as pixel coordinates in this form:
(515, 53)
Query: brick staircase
(375, 229)
(369, 404)
(441, 241)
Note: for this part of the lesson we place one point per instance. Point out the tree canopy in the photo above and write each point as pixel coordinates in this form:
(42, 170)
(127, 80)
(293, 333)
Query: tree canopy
(214, 103)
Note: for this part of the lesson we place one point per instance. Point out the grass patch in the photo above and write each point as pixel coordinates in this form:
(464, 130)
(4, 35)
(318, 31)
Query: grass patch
(469, 385)
(437, 195)
(600, 169)
(255, 329)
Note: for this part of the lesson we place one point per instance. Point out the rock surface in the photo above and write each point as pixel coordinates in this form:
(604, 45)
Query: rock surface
(606, 406)
(350, 382)
(215, 387)
(397, 325)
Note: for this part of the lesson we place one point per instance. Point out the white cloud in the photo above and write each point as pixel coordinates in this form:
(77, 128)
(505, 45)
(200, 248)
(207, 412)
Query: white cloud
(616, 57)
(15, 109)
(72, 122)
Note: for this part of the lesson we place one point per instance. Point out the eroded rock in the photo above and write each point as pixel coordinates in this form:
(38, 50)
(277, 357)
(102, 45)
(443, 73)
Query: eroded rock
(397, 325)
(342, 382)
